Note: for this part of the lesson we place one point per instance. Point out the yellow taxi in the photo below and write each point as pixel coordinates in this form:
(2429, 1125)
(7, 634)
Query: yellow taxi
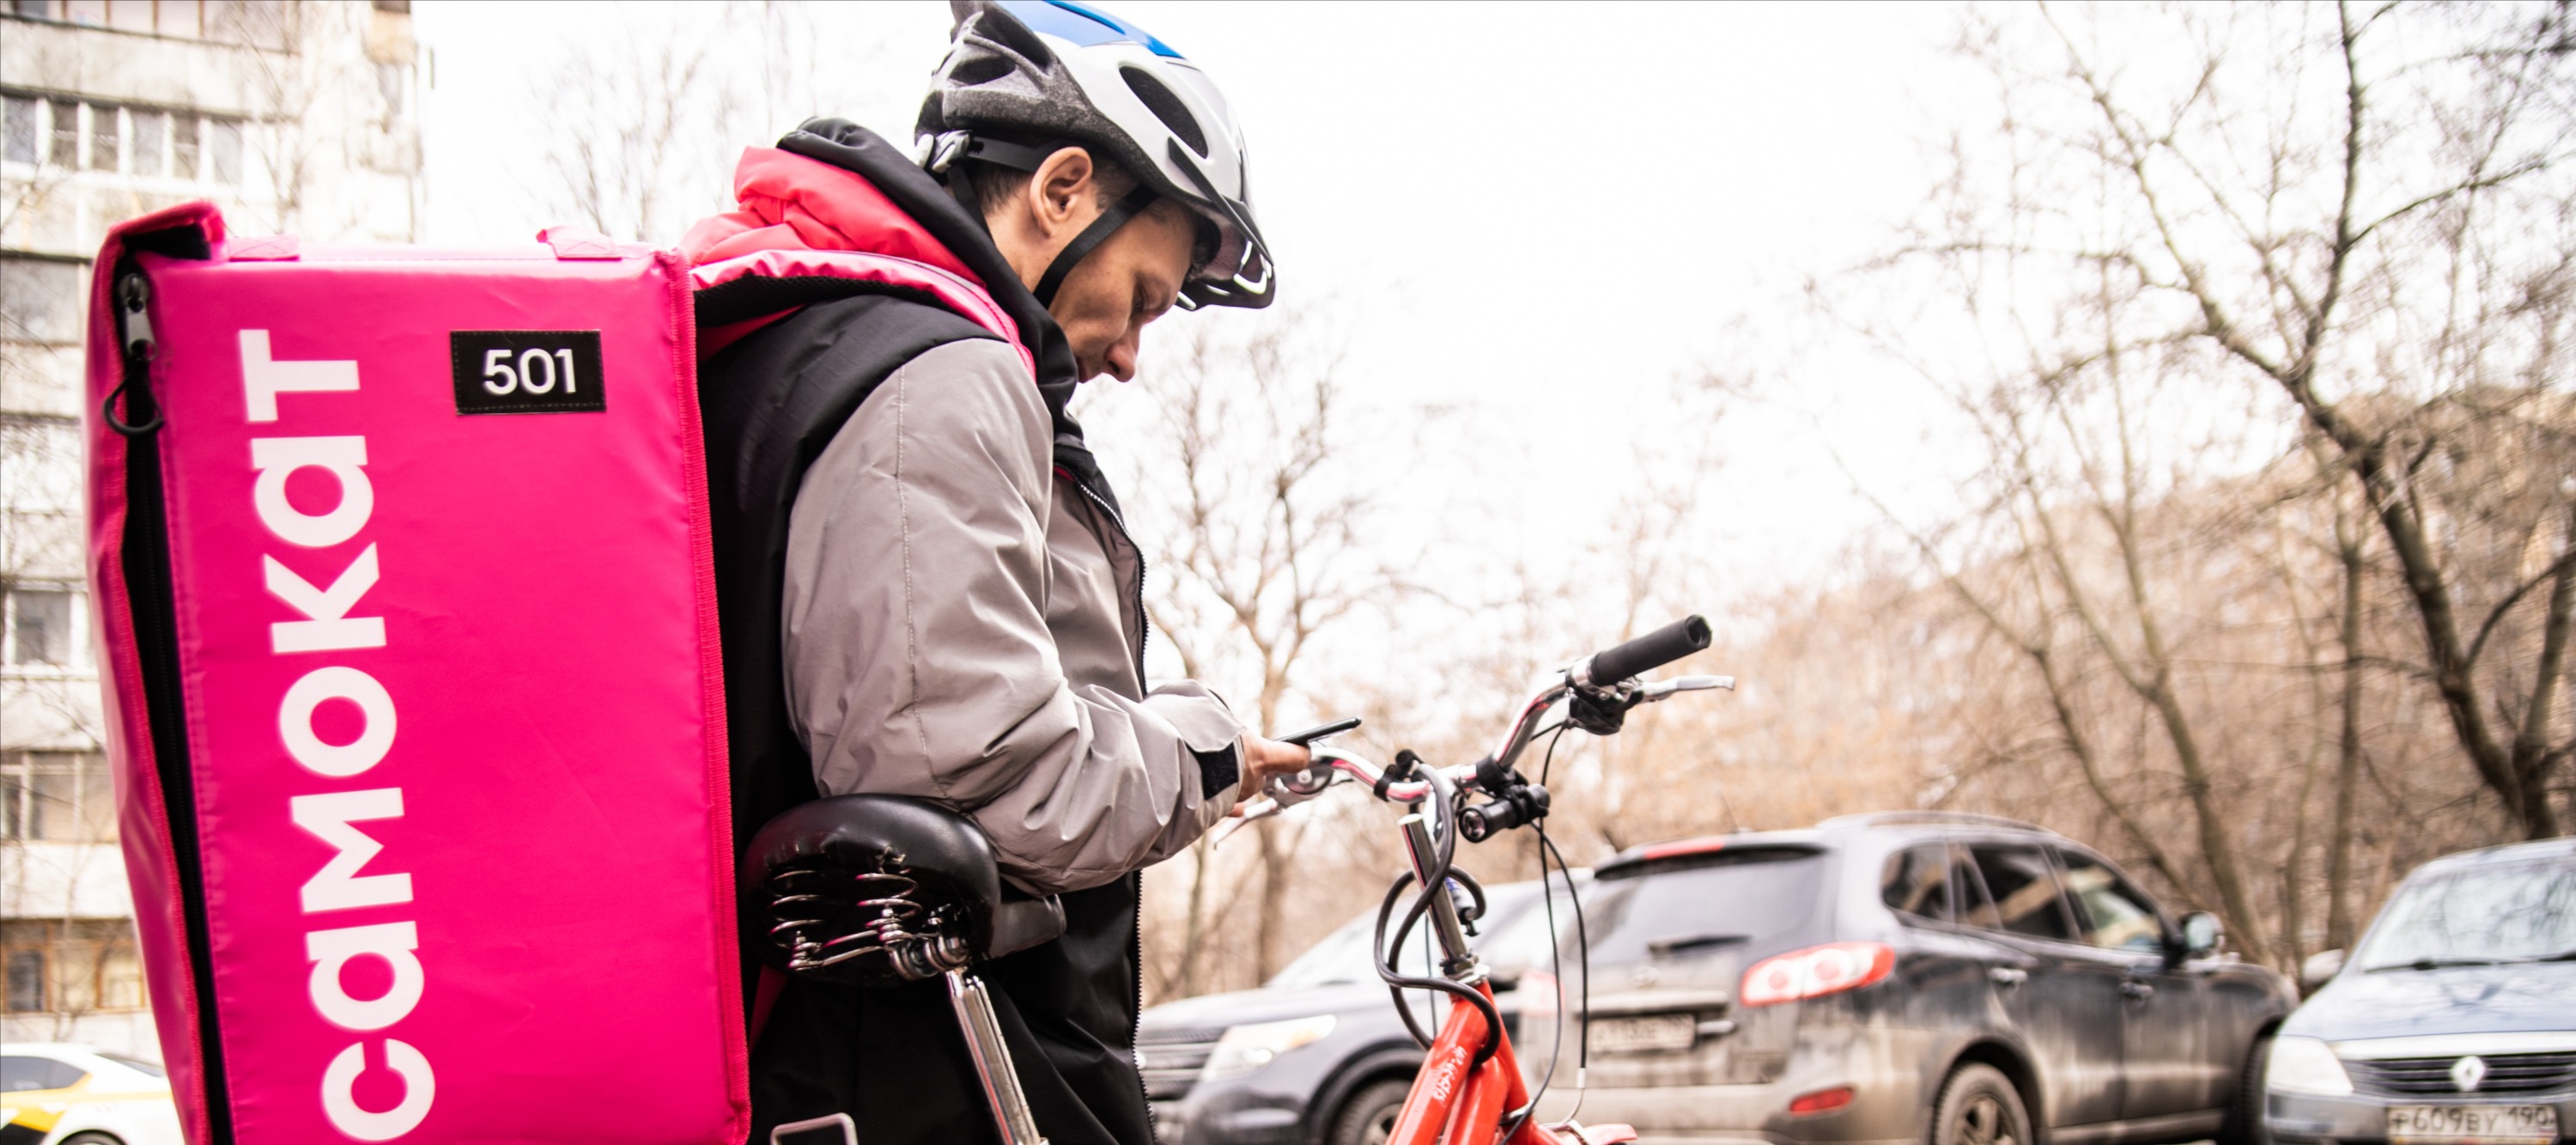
(57, 1093)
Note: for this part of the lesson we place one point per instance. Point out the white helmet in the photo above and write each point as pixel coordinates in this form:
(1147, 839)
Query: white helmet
(1022, 72)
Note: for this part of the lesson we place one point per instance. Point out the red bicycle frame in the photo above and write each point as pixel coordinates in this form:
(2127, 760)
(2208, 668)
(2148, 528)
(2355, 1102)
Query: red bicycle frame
(1450, 1103)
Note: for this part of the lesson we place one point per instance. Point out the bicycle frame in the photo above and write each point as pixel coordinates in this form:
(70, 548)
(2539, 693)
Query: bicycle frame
(1453, 1099)
(1448, 1103)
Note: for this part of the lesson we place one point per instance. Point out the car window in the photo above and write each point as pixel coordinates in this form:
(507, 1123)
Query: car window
(22, 1072)
(2518, 912)
(138, 1065)
(1706, 902)
(1342, 957)
(2024, 890)
(1345, 956)
(1916, 882)
(1523, 940)
(2112, 913)
(1976, 908)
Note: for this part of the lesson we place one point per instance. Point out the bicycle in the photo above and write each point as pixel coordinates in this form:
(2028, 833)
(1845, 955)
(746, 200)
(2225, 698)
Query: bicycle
(1470, 1088)
(872, 888)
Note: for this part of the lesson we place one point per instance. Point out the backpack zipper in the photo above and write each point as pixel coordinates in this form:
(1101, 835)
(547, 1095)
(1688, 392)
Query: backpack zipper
(145, 563)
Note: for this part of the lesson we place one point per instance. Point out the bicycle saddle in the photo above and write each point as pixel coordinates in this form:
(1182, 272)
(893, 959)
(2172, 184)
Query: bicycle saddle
(882, 888)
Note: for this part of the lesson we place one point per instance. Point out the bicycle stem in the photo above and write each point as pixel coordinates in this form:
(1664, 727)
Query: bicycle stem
(1457, 958)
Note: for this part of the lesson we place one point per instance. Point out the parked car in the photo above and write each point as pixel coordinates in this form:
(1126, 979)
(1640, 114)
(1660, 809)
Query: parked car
(2454, 1018)
(58, 1093)
(1319, 1053)
(1908, 977)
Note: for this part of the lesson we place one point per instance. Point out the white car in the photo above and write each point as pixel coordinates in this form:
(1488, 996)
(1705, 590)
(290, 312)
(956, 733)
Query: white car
(57, 1093)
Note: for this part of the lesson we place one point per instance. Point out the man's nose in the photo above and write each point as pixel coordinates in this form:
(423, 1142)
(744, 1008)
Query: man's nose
(1122, 355)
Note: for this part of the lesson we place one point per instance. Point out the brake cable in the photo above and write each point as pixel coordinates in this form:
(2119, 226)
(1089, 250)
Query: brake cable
(1397, 981)
(1512, 1121)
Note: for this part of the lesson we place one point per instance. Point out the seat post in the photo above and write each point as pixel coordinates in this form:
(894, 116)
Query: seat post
(974, 1005)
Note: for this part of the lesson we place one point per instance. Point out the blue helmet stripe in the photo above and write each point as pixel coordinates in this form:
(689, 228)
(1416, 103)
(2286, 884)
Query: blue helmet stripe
(1083, 25)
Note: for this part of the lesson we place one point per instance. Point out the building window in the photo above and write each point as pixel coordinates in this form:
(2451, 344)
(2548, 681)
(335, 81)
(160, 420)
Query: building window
(227, 151)
(22, 129)
(40, 300)
(57, 797)
(183, 147)
(73, 966)
(182, 18)
(102, 137)
(27, 980)
(40, 627)
(151, 134)
(141, 141)
(66, 150)
(185, 18)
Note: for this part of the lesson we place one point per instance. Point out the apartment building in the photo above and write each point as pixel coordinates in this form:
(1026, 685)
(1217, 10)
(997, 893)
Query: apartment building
(296, 116)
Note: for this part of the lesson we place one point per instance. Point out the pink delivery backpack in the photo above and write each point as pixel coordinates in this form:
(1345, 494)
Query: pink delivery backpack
(410, 646)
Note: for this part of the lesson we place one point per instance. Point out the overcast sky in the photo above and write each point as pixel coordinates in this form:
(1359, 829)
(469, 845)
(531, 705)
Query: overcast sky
(1540, 213)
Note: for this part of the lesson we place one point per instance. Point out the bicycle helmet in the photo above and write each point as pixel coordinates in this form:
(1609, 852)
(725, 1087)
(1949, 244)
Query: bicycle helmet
(1022, 70)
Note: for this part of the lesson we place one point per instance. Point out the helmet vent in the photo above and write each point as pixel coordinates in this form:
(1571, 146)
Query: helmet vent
(979, 70)
(1168, 108)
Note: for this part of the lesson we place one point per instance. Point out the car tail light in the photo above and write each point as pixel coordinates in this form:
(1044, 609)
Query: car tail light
(1817, 971)
(1821, 1101)
(1540, 993)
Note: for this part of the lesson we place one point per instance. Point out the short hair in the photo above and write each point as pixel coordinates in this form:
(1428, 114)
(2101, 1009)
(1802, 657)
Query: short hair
(993, 185)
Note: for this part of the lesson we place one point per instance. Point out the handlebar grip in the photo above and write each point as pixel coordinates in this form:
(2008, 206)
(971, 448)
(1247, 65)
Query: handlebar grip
(1645, 653)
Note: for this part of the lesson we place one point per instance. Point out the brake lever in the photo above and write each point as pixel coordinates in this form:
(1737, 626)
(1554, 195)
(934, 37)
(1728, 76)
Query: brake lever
(1259, 807)
(1666, 689)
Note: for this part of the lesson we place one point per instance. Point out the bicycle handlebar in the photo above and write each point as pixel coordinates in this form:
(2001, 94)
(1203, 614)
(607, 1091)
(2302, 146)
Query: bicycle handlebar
(1609, 674)
(1645, 653)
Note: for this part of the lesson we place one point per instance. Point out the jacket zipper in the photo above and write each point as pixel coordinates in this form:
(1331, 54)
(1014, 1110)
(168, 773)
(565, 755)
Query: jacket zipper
(145, 562)
(1135, 588)
(1135, 881)
(1136, 1012)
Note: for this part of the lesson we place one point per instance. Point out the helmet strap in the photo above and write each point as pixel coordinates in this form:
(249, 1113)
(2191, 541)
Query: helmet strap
(1134, 203)
(951, 148)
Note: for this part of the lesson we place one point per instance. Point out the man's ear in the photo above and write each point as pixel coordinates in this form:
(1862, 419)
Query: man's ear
(1063, 186)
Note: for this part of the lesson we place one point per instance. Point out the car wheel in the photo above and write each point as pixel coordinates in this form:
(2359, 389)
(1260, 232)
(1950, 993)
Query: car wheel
(2245, 1114)
(1979, 1106)
(1368, 1118)
(91, 1139)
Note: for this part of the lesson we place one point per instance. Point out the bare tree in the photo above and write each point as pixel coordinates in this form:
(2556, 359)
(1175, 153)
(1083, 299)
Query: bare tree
(1261, 534)
(333, 84)
(2418, 254)
(645, 118)
(2195, 563)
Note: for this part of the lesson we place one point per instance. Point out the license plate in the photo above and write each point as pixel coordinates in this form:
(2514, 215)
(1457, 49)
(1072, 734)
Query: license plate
(2472, 1124)
(1652, 1032)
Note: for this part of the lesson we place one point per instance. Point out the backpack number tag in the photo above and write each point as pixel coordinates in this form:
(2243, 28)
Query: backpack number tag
(527, 371)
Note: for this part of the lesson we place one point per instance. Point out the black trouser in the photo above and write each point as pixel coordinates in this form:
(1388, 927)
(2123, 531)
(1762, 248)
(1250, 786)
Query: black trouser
(893, 1059)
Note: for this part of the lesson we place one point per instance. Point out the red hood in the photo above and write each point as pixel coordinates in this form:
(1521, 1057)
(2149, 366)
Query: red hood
(790, 202)
(803, 217)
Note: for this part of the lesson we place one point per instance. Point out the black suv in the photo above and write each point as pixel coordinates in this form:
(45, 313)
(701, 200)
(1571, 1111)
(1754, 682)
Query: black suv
(1905, 977)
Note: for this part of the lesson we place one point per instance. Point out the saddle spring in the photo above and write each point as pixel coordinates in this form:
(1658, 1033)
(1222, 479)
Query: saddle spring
(828, 916)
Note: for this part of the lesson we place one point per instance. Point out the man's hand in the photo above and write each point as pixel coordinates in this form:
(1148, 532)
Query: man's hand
(1263, 758)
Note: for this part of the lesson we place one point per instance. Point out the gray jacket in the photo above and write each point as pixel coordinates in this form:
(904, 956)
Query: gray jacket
(963, 626)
